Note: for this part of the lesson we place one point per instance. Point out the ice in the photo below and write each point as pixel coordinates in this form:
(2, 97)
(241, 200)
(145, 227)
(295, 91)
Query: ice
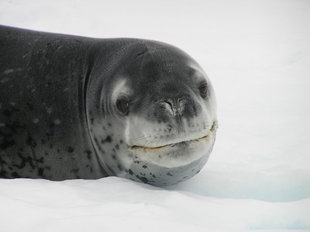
(116, 204)
(257, 55)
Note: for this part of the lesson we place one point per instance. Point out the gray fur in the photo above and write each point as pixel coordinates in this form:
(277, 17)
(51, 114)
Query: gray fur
(59, 117)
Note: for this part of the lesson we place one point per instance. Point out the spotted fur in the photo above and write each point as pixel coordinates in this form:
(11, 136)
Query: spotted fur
(59, 118)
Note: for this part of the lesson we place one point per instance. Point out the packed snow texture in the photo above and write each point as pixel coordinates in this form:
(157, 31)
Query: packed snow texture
(257, 55)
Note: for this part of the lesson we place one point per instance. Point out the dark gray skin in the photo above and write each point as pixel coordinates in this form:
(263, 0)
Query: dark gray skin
(74, 107)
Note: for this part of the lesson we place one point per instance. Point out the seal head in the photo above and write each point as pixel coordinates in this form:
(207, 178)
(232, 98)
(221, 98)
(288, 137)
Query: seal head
(151, 113)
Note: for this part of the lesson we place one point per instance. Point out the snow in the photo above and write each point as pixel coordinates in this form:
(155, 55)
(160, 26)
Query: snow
(115, 204)
(257, 55)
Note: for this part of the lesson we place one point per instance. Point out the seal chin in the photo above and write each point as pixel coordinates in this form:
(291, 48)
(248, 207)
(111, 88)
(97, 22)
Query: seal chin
(176, 154)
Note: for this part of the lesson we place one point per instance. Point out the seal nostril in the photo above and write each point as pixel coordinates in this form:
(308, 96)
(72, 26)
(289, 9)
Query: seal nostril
(167, 105)
(175, 106)
(181, 100)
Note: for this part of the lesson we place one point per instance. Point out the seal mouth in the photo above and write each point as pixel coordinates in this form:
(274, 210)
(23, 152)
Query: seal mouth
(205, 137)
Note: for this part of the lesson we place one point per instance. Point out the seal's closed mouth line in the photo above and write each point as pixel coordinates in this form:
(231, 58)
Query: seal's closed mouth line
(167, 145)
(214, 126)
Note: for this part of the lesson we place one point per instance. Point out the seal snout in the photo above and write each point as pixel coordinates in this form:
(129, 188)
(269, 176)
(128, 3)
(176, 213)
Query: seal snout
(176, 108)
(173, 106)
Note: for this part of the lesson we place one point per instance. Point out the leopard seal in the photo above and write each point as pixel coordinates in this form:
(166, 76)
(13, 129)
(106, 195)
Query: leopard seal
(77, 107)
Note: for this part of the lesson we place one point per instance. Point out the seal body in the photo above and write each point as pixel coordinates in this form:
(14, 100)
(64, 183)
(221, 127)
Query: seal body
(43, 128)
(75, 107)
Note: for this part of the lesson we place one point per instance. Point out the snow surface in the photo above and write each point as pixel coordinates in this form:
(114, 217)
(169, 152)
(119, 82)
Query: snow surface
(257, 55)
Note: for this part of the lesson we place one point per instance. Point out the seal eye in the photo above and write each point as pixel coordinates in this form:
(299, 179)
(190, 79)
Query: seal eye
(203, 89)
(122, 105)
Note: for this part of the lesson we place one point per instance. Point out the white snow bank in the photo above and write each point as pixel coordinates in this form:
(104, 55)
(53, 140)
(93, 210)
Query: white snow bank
(115, 204)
